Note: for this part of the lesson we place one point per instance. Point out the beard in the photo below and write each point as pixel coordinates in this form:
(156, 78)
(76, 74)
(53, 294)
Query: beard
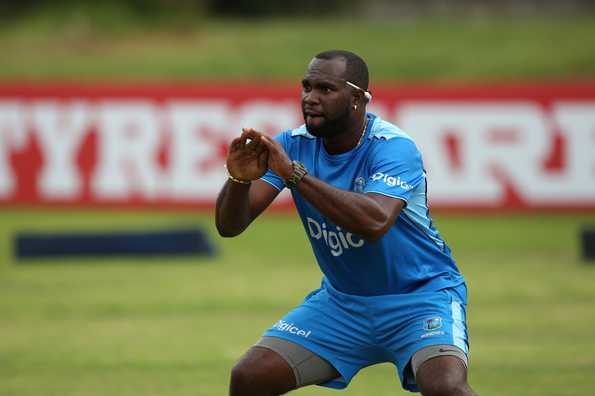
(329, 127)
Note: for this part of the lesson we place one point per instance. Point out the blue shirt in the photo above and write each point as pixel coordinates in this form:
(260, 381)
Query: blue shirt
(411, 256)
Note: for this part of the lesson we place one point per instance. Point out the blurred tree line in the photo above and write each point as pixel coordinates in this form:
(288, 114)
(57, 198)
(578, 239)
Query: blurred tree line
(326, 8)
(152, 8)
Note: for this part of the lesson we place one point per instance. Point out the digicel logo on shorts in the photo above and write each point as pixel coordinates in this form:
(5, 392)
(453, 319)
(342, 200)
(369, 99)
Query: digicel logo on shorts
(291, 328)
(337, 240)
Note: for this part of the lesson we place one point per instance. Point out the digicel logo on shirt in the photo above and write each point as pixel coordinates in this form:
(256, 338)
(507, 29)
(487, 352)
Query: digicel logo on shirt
(337, 241)
(391, 181)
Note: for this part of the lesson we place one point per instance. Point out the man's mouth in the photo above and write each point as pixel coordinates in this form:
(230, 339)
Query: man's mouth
(311, 115)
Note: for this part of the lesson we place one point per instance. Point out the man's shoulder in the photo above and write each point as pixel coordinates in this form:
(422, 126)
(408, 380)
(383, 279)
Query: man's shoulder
(386, 131)
(292, 136)
(300, 131)
(387, 136)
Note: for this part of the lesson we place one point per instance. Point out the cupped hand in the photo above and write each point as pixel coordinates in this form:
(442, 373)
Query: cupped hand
(247, 160)
(278, 160)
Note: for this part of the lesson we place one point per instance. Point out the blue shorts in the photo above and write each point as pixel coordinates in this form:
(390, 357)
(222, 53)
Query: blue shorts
(352, 332)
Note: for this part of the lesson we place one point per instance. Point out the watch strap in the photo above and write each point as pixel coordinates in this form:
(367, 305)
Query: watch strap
(299, 171)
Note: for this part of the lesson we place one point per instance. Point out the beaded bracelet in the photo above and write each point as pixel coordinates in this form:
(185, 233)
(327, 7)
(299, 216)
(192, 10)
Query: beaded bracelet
(233, 179)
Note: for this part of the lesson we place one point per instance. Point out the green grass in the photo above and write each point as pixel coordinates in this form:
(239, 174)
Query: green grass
(76, 46)
(174, 326)
(164, 326)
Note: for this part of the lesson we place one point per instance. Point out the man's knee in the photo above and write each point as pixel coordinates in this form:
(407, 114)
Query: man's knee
(242, 379)
(445, 386)
(443, 376)
(261, 372)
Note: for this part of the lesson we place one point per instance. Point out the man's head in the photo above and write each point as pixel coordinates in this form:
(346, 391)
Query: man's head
(329, 104)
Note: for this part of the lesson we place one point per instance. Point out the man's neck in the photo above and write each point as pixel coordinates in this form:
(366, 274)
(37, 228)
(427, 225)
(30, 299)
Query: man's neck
(348, 140)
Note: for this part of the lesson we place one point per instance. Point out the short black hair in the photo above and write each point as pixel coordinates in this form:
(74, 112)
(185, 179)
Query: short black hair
(356, 69)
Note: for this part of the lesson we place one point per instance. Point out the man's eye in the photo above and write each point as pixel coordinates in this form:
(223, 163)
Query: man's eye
(306, 88)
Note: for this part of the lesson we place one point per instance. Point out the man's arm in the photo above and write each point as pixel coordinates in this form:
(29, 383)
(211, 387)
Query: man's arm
(239, 204)
(367, 215)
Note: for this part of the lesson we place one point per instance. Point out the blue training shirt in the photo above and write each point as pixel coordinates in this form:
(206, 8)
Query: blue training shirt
(411, 256)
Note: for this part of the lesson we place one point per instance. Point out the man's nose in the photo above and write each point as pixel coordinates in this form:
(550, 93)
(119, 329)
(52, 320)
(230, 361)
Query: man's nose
(310, 97)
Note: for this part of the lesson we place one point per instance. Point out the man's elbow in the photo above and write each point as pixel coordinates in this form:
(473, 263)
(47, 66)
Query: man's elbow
(373, 237)
(375, 232)
(227, 232)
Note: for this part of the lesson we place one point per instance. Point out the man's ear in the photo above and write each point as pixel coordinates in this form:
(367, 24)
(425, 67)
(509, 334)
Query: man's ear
(356, 100)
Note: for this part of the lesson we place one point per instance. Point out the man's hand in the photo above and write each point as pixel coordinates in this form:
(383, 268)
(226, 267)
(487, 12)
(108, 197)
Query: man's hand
(247, 160)
(238, 204)
(278, 160)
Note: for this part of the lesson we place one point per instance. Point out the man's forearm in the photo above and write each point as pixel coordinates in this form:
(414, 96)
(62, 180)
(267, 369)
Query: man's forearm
(232, 212)
(355, 212)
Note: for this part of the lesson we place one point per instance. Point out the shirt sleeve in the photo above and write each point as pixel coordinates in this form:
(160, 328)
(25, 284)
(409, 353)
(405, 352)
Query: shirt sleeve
(270, 177)
(396, 169)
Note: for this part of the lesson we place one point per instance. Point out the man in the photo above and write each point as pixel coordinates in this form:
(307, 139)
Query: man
(391, 291)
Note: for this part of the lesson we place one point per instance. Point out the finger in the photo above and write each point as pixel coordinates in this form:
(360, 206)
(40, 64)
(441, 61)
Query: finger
(252, 134)
(243, 139)
(255, 146)
(270, 144)
(250, 130)
(260, 147)
(248, 134)
(253, 143)
(235, 144)
(263, 159)
(267, 142)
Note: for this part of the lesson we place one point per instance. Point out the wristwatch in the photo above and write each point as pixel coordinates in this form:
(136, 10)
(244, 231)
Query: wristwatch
(299, 171)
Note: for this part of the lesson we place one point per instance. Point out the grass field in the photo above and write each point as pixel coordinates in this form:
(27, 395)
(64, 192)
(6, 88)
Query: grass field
(167, 326)
(73, 46)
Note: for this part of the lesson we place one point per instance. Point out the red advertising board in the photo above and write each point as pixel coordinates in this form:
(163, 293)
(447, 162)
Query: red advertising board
(512, 146)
